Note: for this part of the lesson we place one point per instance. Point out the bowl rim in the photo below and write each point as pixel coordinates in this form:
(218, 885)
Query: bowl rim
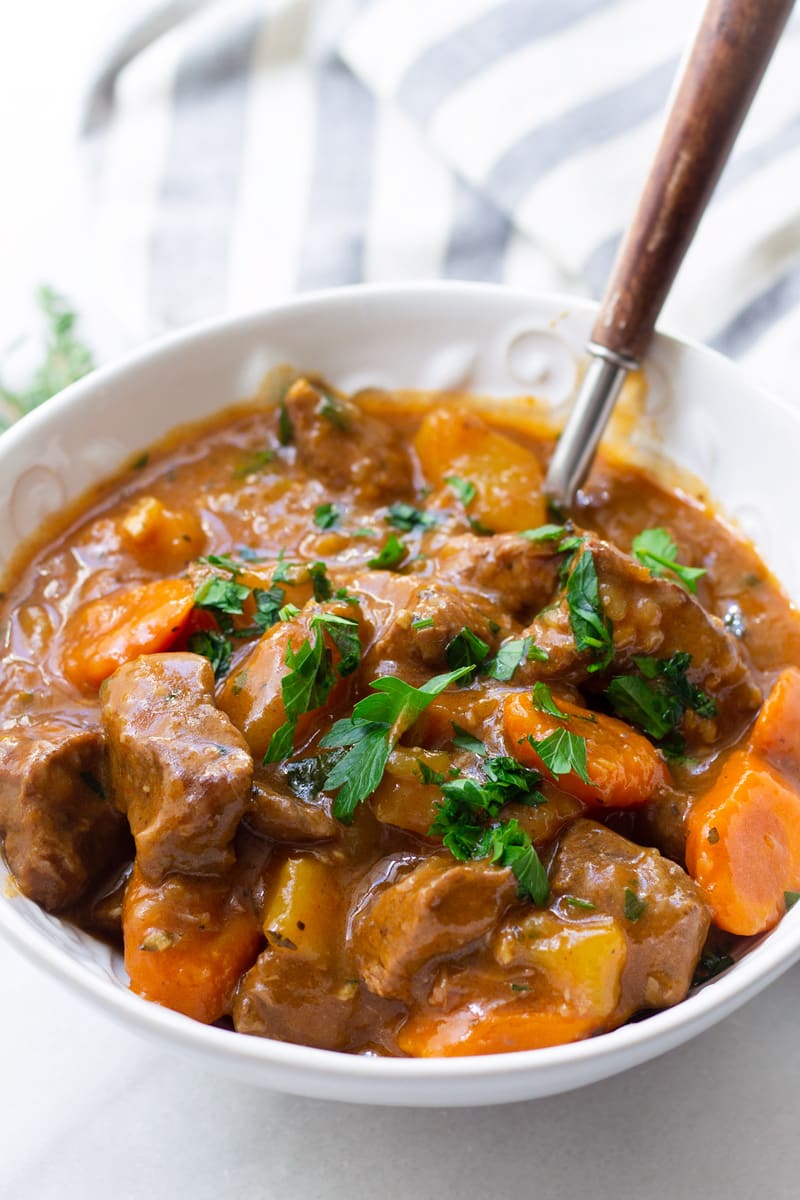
(658, 1032)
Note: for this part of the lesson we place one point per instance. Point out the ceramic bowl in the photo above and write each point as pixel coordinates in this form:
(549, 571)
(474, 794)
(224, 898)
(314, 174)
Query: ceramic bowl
(698, 412)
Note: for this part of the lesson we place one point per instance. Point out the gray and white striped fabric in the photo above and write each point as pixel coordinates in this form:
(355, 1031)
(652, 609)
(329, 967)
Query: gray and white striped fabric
(242, 150)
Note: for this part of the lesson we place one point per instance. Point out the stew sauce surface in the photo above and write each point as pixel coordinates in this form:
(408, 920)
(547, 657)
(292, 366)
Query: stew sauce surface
(565, 835)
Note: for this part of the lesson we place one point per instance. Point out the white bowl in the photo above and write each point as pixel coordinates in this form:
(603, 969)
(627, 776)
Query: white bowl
(700, 413)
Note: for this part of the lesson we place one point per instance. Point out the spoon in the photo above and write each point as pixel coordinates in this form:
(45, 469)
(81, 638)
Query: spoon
(730, 54)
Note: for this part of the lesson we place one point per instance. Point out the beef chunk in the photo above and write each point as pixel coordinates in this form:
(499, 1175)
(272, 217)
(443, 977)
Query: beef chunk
(658, 906)
(178, 767)
(435, 909)
(344, 447)
(61, 835)
(292, 999)
(414, 654)
(519, 575)
(650, 616)
(286, 807)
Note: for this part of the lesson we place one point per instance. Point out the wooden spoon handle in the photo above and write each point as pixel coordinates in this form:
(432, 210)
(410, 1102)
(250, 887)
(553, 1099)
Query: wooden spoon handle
(733, 46)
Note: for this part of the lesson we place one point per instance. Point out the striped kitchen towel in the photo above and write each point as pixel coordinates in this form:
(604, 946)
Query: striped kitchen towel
(242, 150)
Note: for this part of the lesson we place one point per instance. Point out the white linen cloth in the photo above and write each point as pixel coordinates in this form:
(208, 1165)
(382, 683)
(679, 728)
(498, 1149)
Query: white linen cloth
(259, 147)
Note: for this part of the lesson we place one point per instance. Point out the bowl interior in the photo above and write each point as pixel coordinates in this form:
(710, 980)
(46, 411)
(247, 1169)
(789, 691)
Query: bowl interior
(698, 412)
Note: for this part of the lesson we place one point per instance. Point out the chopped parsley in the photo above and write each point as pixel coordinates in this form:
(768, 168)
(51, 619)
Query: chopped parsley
(634, 907)
(221, 595)
(583, 905)
(311, 676)
(285, 431)
(321, 584)
(390, 555)
(268, 603)
(282, 568)
(508, 845)
(406, 517)
(790, 899)
(334, 411)
(466, 740)
(712, 963)
(463, 488)
(513, 654)
(545, 533)
(542, 699)
(376, 725)
(423, 623)
(254, 464)
(213, 646)
(466, 650)
(656, 550)
(562, 753)
(326, 516)
(590, 626)
(656, 699)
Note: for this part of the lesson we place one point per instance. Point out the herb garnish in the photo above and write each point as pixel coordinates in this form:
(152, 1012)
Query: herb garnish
(712, 963)
(545, 533)
(423, 623)
(390, 555)
(320, 583)
(590, 626)
(213, 646)
(221, 595)
(311, 675)
(583, 905)
(285, 431)
(656, 550)
(326, 516)
(466, 649)
(634, 907)
(513, 654)
(466, 740)
(790, 899)
(463, 488)
(404, 516)
(376, 725)
(254, 464)
(542, 699)
(656, 700)
(562, 753)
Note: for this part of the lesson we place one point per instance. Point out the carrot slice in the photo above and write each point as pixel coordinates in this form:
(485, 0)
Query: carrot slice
(187, 941)
(493, 1030)
(776, 733)
(743, 845)
(104, 633)
(623, 767)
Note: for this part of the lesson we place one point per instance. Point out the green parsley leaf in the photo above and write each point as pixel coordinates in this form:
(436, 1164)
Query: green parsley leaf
(583, 905)
(712, 963)
(512, 654)
(391, 554)
(343, 632)
(268, 603)
(333, 410)
(790, 899)
(376, 725)
(590, 626)
(326, 516)
(656, 550)
(406, 517)
(463, 488)
(288, 612)
(282, 569)
(634, 907)
(285, 431)
(223, 595)
(427, 773)
(343, 594)
(543, 700)
(254, 464)
(318, 574)
(545, 533)
(656, 700)
(562, 752)
(423, 623)
(466, 740)
(223, 562)
(466, 649)
(512, 781)
(508, 845)
(213, 646)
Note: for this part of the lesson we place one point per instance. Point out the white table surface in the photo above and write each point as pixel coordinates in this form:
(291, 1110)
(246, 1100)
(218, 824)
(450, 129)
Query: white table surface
(90, 1111)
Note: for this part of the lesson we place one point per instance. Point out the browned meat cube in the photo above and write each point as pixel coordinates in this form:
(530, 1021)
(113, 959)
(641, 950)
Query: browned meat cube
(61, 835)
(658, 906)
(433, 910)
(286, 997)
(650, 616)
(290, 814)
(178, 767)
(344, 447)
(394, 604)
(520, 575)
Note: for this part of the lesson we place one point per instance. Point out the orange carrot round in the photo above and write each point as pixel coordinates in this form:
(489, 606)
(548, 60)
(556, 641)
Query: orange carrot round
(187, 941)
(109, 631)
(495, 1029)
(743, 845)
(624, 769)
